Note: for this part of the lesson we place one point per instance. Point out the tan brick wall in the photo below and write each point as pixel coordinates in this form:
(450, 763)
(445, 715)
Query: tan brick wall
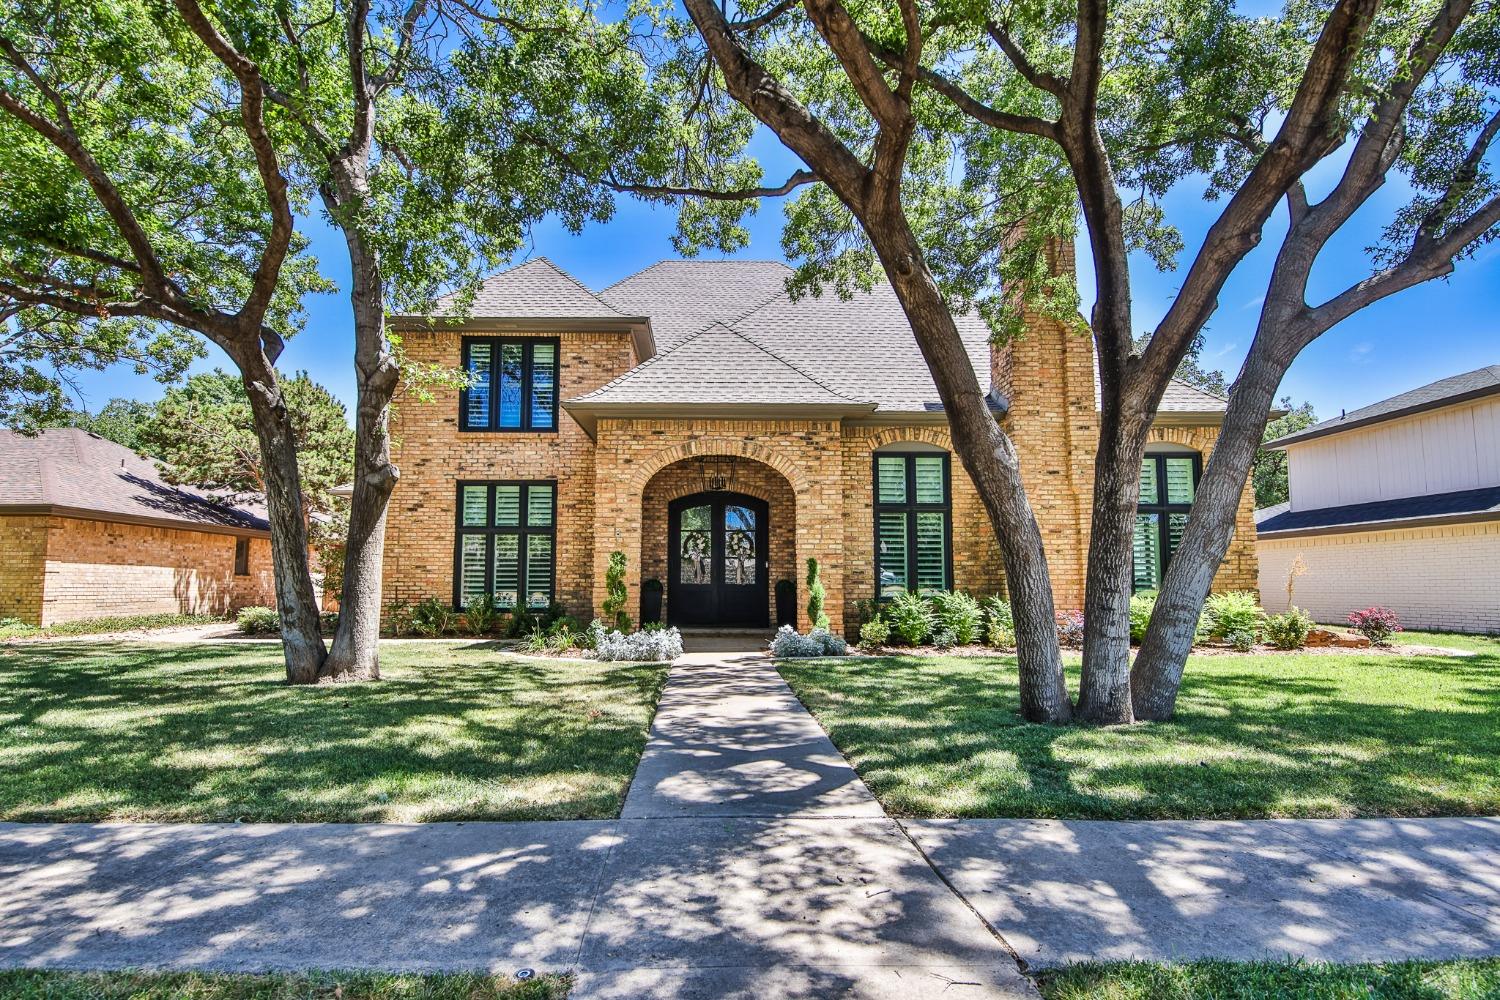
(433, 456)
(1438, 577)
(1239, 569)
(23, 540)
(1048, 376)
(102, 569)
(752, 478)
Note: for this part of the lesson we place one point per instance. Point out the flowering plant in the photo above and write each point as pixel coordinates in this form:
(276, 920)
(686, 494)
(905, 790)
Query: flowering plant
(1376, 624)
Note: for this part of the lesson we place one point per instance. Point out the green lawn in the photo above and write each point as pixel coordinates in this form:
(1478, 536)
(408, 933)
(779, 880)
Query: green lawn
(33, 985)
(135, 731)
(1462, 980)
(1255, 736)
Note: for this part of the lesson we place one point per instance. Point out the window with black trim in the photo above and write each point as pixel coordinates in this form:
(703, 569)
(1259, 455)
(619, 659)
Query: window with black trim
(1168, 485)
(506, 543)
(242, 557)
(512, 384)
(913, 523)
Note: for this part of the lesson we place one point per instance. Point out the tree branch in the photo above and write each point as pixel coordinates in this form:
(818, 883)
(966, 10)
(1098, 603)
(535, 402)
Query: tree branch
(252, 117)
(1049, 82)
(983, 113)
(845, 39)
(752, 24)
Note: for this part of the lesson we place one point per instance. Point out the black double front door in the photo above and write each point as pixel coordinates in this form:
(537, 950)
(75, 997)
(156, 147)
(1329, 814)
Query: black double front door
(717, 560)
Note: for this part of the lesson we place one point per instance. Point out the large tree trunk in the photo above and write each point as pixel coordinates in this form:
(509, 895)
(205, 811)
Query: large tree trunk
(990, 459)
(356, 645)
(1157, 674)
(296, 603)
(1104, 690)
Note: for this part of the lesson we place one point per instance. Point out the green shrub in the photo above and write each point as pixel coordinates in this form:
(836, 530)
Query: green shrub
(615, 591)
(1289, 630)
(999, 622)
(958, 614)
(256, 620)
(866, 611)
(1141, 606)
(815, 595)
(911, 618)
(328, 622)
(874, 632)
(12, 627)
(1236, 611)
(561, 639)
(431, 618)
(398, 613)
(536, 642)
(481, 616)
(1241, 640)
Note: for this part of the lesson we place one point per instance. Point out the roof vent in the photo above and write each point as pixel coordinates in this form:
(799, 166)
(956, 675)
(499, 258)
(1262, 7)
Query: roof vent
(1341, 414)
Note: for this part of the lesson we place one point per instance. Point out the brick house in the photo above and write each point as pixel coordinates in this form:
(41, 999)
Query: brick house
(89, 529)
(718, 433)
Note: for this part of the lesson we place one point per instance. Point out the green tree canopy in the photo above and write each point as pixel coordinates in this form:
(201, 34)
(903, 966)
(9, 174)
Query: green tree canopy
(120, 420)
(203, 434)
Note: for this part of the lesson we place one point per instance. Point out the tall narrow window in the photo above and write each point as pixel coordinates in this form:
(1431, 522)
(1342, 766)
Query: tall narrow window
(505, 544)
(913, 530)
(242, 557)
(1168, 484)
(512, 384)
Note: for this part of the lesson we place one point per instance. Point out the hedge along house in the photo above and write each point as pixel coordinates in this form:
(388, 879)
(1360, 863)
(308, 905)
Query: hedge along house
(89, 529)
(696, 418)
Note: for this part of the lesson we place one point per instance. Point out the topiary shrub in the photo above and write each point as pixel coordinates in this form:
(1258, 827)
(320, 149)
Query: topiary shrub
(615, 591)
(1141, 606)
(874, 632)
(911, 618)
(1289, 630)
(256, 620)
(815, 596)
(481, 616)
(1377, 624)
(1236, 611)
(960, 614)
(431, 618)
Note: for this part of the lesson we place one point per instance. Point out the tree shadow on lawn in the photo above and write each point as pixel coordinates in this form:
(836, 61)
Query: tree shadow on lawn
(1253, 737)
(118, 731)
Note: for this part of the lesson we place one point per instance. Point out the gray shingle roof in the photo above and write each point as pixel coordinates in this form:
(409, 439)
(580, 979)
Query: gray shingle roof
(67, 467)
(1180, 397)
(1459, 505)
(685, 296)
(862, 347)
(1444, 392)
(718, 366)
(537, 289)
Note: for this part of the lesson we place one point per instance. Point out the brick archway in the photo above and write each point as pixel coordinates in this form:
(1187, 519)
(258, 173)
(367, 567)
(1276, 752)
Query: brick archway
(706, 446)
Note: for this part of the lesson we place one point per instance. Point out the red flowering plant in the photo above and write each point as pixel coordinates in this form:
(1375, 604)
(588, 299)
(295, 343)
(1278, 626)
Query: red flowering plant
(1376, 624)
(1070, 629)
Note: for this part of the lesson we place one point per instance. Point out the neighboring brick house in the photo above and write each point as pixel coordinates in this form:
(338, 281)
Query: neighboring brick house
(696, 418)
(1396, 504)
(90, 530)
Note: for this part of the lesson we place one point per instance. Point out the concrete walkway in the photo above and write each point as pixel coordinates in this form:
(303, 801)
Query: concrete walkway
(750, 862)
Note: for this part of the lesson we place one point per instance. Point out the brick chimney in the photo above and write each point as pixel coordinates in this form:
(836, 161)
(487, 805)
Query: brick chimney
(1046, 375)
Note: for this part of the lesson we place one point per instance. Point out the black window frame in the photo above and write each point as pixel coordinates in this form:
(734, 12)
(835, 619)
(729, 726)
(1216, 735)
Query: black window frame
(912, 508)
(1163, 509)
(528, 349)
(522, 530)
(241, 556)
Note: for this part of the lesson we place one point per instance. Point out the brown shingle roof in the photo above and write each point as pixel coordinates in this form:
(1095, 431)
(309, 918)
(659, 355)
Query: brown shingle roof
(79, 471)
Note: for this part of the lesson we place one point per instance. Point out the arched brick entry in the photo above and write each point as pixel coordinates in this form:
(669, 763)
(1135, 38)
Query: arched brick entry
(805, 455)
(754, 478)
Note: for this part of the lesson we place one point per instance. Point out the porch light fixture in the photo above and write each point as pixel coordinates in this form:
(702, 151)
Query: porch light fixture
(718, 472)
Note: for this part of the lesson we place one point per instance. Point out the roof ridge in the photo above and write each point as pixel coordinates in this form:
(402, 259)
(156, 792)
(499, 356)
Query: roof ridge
(686, 260)
(585, 288)
(810, 377)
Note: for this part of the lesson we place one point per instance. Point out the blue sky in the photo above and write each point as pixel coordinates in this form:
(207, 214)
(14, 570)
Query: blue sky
(1426, 333)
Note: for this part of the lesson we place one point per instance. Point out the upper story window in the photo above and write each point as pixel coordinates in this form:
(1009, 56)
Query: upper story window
(513, 384)
(913, 530)
(1169, 482)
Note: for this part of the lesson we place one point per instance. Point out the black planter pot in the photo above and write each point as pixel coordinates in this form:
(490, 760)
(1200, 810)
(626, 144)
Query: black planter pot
(786, 606)
(650, 605)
